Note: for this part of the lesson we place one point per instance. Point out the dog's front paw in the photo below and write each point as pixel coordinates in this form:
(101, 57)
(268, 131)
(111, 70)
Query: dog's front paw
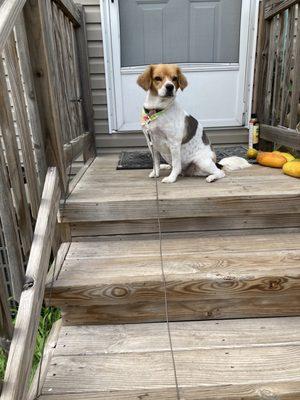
(211, 178)
(169, 179)
(152, 174)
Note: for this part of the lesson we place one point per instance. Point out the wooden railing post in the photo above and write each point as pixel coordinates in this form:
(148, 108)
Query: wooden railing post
(15, 385)
(295, 100)
(14, 164)
(32, 104)
(19, 104)
(10, 229)
(10, 11)
(87, 106)
(262, 62)
(41, 44)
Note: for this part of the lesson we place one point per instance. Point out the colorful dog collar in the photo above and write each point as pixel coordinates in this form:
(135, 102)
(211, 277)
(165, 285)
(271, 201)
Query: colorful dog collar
(150, 115)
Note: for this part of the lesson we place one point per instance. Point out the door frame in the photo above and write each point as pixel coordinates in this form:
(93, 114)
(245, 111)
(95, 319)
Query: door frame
(112, 62)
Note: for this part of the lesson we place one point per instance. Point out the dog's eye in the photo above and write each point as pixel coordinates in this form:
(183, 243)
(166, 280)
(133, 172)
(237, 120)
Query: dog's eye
(174, 79)
(158, 79)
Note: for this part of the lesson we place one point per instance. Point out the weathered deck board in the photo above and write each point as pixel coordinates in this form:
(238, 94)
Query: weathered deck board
(105, 194)
(84, 230)
(93, 340)
(210, 274)
(282, 390)
(252, 358)
(176, 244)
(270, 305)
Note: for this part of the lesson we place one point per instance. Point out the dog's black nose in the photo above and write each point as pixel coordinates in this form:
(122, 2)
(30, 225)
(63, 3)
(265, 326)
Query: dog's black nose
(169, 87)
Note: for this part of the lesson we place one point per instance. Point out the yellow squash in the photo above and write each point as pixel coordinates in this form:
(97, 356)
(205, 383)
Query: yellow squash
(269, 159)
(288, 156)
(292, 168)
(252, 153)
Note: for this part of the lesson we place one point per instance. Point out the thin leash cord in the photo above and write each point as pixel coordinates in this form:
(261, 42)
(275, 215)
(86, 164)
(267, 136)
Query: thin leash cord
(165, 288)
(37, 394)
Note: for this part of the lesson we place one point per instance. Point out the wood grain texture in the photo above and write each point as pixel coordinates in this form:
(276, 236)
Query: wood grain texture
(295, 99)
(71, 10)
(6, 325)
(39, 31)
(140, 338)
(270, 71)
(76, 81)
(105, 194)
(223, 272)
(122, 247)
(84, 70)
(17, 90)
(277, 79)
(10, 231)
(189, 277)
(288, 59)
(9, 11)
(22, 347)
(16, 178)
(212, 309)
(283, 136)
(283, 390)
(232, 358)
(84, 230)
(69, 60)
(274, 7)
(64, 94)
(262, 64)
(31, 99)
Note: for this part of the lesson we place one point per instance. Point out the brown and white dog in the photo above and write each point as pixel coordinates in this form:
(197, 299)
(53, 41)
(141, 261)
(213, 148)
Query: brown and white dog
(175, 134)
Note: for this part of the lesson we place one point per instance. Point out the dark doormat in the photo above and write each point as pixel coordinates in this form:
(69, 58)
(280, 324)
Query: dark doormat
(142, 159)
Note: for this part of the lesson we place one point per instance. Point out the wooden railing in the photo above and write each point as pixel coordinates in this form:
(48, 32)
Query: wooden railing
(277, 90)
(45, 121)
(15, 386)
(45, 117)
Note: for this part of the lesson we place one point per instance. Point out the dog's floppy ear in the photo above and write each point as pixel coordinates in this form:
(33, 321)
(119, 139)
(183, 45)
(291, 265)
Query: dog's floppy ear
(182, 80)
(144, 80)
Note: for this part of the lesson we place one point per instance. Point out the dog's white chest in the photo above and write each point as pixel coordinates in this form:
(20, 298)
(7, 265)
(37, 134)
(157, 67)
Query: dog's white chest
(169, 130)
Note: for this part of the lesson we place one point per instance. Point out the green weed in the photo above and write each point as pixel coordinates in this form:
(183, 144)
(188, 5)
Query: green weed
(49, 315)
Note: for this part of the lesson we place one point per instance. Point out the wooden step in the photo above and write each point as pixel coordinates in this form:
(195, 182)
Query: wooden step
(210, 275)
(254, 359)
(104, 194)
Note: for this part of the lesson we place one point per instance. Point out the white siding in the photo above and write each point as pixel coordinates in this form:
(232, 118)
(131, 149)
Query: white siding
(96, 62)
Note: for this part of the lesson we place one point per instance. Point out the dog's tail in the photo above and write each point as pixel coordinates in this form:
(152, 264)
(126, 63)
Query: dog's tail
(233, 163)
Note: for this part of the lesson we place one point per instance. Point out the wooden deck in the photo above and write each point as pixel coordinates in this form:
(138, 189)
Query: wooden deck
(255, 197)
(253, 359)
(231, 253)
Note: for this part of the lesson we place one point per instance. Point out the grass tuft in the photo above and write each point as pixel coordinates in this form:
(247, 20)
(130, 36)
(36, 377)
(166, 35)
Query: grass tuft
(2, 364)
(49, 315)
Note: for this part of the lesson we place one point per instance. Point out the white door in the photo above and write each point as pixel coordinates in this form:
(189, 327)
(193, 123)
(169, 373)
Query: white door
(208, 39)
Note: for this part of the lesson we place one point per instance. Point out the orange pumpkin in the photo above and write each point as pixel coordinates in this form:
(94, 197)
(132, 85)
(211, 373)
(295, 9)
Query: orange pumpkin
(269, 159)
